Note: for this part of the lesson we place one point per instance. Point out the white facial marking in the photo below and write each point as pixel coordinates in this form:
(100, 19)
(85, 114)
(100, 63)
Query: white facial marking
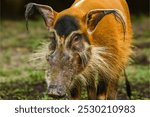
(78, 3)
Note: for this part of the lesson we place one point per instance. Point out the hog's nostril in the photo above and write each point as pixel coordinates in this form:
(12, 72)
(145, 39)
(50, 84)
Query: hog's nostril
(56, 91)
(60, 90)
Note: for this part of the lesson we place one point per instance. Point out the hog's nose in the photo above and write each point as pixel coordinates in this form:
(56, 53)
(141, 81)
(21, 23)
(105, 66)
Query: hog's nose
(56, 91)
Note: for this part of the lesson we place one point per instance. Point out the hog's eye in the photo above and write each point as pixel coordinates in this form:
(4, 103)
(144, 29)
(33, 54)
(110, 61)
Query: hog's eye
(77, 38)
(77, 43)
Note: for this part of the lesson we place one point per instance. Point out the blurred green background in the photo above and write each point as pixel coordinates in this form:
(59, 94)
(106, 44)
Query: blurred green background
(19, 81)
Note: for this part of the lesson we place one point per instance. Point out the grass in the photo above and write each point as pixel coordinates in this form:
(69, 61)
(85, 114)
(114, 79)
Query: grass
(19, 81)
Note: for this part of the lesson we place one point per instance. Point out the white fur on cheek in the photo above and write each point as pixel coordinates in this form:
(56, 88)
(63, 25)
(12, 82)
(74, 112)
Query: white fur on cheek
(99, 63)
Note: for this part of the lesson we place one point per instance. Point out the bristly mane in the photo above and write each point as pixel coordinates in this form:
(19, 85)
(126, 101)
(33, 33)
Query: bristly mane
(98, 62)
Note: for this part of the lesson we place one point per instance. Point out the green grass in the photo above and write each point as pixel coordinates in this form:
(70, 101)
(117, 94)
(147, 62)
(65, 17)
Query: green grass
(19, 81)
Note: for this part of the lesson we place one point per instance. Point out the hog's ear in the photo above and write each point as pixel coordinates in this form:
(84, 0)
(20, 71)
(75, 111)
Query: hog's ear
(93, 17)
(47, 13)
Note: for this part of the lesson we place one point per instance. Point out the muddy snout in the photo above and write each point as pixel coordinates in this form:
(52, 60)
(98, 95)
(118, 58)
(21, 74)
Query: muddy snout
(57, 91)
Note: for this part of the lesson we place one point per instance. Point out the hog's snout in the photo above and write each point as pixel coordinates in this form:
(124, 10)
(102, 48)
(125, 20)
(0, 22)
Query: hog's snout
(56, 91)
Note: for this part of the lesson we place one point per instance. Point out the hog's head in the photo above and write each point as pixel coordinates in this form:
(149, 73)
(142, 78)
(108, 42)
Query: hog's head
(69, 50)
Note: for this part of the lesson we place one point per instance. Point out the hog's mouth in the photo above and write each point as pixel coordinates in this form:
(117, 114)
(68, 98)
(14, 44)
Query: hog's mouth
(65, 96)
(57, 96)
(58, 91)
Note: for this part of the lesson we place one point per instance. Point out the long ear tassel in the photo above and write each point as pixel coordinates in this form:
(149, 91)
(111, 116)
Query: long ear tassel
(128, 87)
(121, 18)
(28, 12)
(118, 15)
(103, 12)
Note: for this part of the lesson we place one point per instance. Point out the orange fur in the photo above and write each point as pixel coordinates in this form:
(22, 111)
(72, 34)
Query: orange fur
(110, 46)
(109, 32)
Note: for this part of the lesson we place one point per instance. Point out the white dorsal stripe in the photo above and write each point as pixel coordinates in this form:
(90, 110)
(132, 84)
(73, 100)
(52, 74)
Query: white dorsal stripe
(78, 3)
